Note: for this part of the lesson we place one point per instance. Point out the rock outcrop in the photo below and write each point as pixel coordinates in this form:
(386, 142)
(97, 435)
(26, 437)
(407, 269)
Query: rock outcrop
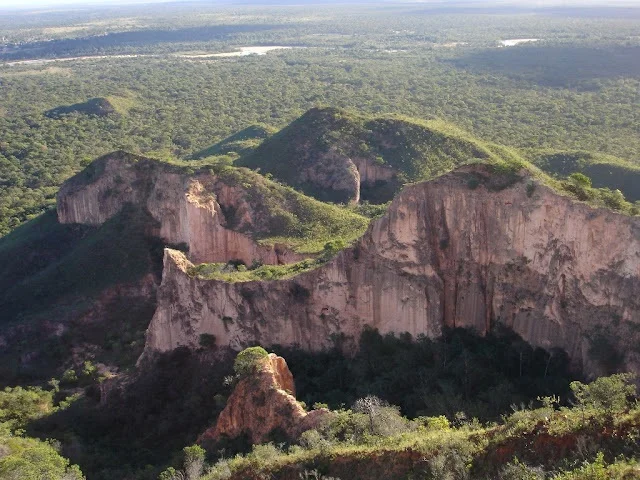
(264, 402)
(469, 249)
(200, 211)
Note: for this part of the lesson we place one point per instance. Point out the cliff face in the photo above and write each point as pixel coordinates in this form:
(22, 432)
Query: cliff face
(189, 209)
(464, 250)
(262, 402)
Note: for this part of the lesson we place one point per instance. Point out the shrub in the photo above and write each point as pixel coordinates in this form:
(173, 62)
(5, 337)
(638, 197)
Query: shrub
(20, 405)
(69, 376)
(531, 188)
(248, 360)
(434, 423)
(30, 459)
(520, 471)
(611, 394)
(580, 180)
(193, 461)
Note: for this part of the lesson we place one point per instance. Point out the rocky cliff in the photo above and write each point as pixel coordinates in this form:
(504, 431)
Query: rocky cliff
(214, 218)
(262, 402)
(472, 248)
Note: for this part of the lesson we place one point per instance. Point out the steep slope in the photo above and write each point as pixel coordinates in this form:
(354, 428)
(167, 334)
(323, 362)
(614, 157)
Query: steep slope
(69, 289)
(340, 156)
(472, 248)
(216, 213)
(82, 286)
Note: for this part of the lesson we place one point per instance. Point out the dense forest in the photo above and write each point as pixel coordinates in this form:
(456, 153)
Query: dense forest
(425, 64)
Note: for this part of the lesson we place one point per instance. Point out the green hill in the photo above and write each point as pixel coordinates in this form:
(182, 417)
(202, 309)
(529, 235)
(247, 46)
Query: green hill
(413, 149)
(241, 142)
(605, 171)
(99, 107)
(320, 152)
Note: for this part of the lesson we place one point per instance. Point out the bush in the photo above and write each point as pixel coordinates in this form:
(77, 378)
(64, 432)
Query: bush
(193, 461)
(248, 360)
(520, 471)
(580, 180)
(611, 394)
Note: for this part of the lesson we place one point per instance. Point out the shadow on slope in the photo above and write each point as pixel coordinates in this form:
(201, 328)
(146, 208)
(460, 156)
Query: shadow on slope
(605, 171)
(68, 288)
(241, 142)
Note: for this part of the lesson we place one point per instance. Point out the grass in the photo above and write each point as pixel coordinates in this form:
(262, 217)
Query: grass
(241, 142)
(123, 102)
(294, 219)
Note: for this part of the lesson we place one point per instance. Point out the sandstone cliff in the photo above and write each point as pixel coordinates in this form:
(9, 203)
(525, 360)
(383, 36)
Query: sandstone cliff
(469, 249)
(213, 217)
(261, 403)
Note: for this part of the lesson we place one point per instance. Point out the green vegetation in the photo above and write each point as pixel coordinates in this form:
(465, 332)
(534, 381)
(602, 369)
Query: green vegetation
(248, 360)
(293, 219)
(234, 272)
(416, 149)
(422, 63)
(240, 143)
(230, 272)
(372, 441)
(27, 458)
(605, 171)
(51, 275)
(459, 372)
(567, 104)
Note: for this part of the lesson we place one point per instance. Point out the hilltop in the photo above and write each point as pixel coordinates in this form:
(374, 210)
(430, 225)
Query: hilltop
(341, 156)
(99, 107)
(337, 155)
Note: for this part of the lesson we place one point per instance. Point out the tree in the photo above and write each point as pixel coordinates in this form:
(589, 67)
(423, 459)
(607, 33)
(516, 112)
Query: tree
(193, 461)
(580, 180)
(611, 394)
(248, 360)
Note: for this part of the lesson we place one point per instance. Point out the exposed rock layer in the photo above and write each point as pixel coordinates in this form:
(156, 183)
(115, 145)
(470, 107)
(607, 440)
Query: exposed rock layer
(264, 402)
(464, 250)
(189, 209)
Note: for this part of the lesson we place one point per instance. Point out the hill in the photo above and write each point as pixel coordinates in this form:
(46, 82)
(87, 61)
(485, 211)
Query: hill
(605, 171)
(340, 156)
(99, 107)
(88, 275)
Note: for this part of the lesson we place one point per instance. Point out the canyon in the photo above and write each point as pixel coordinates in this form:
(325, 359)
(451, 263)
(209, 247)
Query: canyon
(474, 248)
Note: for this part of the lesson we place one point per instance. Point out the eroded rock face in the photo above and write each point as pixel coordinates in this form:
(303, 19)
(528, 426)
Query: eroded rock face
(464, 250)
(264, 402)
(198, 211)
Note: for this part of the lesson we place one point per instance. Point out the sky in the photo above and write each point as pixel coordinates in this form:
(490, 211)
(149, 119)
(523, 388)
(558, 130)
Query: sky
(76, 3)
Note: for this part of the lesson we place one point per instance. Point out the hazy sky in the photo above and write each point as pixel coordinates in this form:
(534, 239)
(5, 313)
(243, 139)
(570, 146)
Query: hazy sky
(49, 3)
